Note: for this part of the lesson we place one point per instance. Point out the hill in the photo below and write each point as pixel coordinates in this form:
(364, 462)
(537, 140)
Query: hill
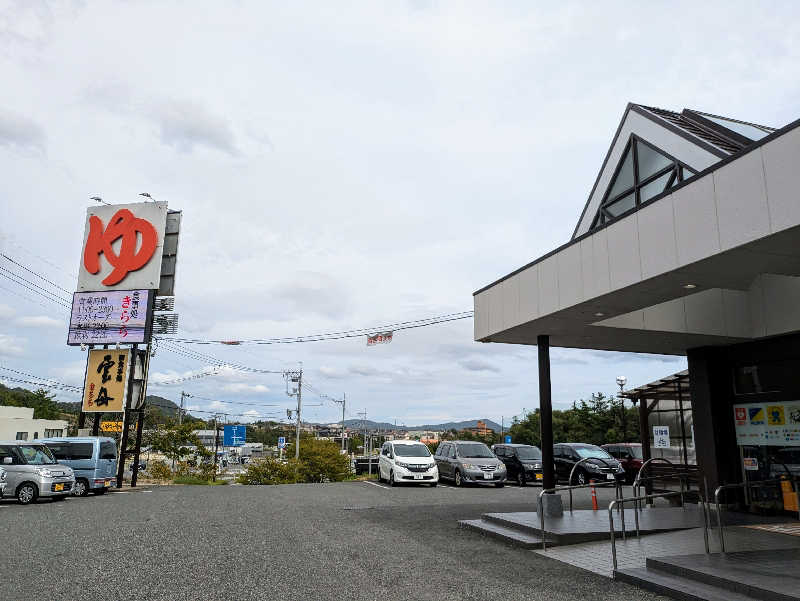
(371, 425)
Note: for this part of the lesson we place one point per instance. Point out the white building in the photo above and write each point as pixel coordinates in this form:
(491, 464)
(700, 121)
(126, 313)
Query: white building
(17, 423)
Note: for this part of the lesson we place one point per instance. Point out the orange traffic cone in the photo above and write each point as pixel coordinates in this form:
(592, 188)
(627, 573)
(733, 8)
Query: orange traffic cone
(594, 496)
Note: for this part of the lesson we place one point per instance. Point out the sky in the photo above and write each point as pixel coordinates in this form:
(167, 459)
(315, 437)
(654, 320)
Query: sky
(346, 165)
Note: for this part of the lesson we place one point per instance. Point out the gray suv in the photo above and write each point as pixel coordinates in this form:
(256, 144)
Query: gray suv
(32, 472)
(464, 461)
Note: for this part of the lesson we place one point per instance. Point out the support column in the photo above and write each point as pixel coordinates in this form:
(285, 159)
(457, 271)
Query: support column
(546, 413)
(644, 436)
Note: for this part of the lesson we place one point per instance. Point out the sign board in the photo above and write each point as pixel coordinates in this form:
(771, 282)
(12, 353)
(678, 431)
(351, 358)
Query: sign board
(281, 442)
(661, 437)
(111, 426)
(508, 439)
(234, 436)
(381, 338)
(110, 317)
(123, 247)
(750, 464)
(770, 424)
(106, 384)
(169, 256)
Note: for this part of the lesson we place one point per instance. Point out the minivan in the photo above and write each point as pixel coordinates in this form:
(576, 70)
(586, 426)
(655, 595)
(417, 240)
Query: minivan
(93, 458)
(407, 461)
(32, 472)
(464, 461)
(599, 465)
(523, 462)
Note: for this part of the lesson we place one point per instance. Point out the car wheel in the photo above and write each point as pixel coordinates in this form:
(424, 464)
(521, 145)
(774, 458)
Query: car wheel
(521, 478)
(457, 479)
(101, 491)
(391, 478)
(81, 488)
(27, 493)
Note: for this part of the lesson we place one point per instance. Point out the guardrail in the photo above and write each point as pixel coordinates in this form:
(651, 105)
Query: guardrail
(617, 494)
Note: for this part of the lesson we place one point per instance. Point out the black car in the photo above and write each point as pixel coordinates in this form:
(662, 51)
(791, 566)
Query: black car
(600, 466)
(523, 462)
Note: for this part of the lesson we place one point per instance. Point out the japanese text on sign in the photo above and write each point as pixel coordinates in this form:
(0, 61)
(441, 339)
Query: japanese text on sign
(109, 317)
(661, 437)
(106, 380)
(382, 338)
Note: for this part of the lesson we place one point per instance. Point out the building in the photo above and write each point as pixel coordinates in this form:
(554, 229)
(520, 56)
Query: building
(480, 429)
(17, 423)
(688, 244)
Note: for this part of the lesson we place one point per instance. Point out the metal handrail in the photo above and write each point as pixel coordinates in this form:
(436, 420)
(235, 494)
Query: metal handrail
(540, 511)
(572, 472)
(611, 506)
(637, 489)
(719, 489)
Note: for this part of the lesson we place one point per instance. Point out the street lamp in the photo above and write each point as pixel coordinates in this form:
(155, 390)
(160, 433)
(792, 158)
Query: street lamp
(621, 381)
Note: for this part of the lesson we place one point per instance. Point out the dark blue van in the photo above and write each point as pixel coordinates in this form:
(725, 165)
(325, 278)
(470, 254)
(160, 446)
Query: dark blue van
(92, 458)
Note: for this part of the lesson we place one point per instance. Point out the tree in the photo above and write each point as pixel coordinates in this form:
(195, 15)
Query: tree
(320, 461)
(175, 441)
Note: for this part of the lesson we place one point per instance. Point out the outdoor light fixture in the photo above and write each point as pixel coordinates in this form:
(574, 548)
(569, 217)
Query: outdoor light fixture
(83, 347)
(690, 286)
(621, 380)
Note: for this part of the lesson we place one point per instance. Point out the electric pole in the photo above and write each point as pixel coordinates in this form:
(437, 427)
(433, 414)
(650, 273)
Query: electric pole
(296, 377)
(344, 404)
(216, 446)
(180, 413)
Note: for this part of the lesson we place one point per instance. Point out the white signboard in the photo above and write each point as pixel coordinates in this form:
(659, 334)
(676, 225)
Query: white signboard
(122, 247)
(382, 338)
(109, 317)
(772, 424)
(661, 437)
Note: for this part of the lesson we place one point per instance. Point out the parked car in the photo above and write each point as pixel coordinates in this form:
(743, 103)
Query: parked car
(407, 461)
(523, 462)
(629, 454)
(92, 458)
(600, 465)
(3, 481)
(32, 472)
(464, 461)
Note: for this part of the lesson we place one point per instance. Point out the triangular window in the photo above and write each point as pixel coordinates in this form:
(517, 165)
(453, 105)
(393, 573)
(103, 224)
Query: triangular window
(643, 172)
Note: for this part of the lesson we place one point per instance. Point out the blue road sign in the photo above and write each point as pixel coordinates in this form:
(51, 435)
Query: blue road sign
(281, 442)
(234, 436)
(508, 439)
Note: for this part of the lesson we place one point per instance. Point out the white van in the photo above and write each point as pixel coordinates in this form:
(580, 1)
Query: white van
(407, 461)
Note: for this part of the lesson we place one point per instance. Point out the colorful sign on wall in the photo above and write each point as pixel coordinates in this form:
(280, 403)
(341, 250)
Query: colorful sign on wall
(106, 384)
(109, 317)
(771, 424)
(661, 437)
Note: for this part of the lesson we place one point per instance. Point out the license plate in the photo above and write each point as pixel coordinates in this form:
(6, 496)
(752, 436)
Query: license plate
(488, 477)
(609, 476)
(538, 476)
(58, 487)
(417, 476)
(107, 483)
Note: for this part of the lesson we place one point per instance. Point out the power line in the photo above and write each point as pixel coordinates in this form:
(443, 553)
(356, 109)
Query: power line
(57, 300)
(22, 373)
(41, 277)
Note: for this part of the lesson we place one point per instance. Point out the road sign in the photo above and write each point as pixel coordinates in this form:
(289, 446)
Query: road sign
(508, 439)
(281, 442)
(234, 436)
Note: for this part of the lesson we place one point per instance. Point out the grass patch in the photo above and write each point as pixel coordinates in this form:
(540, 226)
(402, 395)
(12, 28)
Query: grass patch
(194, 480)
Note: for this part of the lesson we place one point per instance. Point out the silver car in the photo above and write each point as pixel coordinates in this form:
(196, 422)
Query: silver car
(465, 461)
(32, 472)
(3, 479)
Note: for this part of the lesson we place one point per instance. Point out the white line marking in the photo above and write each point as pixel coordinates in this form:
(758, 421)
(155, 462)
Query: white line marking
(374, 484)
(146, 491)
(122, 492)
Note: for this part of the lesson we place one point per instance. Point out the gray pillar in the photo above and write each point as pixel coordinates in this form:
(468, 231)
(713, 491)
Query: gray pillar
(546, 413)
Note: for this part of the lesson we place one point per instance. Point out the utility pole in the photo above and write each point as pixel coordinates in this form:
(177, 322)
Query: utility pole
(363, 415)
(180, 413)
(216, 446)
(344, 404)
(502, 426)
(296, 377)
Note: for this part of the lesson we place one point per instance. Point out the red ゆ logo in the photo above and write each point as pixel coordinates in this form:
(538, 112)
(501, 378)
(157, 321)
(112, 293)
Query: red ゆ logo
(125, 225)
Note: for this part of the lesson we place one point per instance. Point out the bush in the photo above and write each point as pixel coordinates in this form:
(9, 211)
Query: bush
(159, 470)
(322, 461)
(270, 470)
(197, 480)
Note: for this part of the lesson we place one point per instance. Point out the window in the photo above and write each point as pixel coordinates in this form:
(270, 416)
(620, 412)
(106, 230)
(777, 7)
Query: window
(53, 433)
(643, 172)
(500, 451)
(411, 450)
(72, 451)
(22, 436)
(37, 454)
(8, 456)
(474, 450)
(528, 453)
(108, 450)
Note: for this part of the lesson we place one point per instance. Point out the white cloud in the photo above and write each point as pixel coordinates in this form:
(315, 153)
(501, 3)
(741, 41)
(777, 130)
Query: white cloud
(11, 346)
(20, 131)
(6, 312)
(39, 321)
(245, 388)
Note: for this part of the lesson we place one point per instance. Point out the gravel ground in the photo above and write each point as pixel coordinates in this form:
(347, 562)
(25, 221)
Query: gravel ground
(352, 540)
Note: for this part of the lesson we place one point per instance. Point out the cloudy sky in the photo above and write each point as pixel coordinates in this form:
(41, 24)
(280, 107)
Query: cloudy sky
(345, 165)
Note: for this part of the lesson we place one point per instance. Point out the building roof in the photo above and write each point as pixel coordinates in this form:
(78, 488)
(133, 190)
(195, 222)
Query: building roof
(668, 388)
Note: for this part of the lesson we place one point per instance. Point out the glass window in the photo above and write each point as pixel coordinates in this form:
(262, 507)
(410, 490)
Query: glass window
(748, 131)
(624, 179)
(596, 452)
(108, 450)
(529, 453)
(411, 450)
(657, 186)
(37, 454)
(6, 453)
(53, 433)
(650, 161)
(686, 174)
(22, 436)
(626, 203)
(474, 450)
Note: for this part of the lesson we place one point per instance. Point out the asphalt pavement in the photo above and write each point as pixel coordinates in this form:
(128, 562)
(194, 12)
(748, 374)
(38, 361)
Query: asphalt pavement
(342, 541)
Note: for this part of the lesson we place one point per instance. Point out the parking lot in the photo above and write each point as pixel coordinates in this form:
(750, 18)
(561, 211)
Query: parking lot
(351, 540)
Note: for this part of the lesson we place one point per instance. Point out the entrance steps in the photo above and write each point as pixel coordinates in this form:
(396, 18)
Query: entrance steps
(518, 538)
(744, 576)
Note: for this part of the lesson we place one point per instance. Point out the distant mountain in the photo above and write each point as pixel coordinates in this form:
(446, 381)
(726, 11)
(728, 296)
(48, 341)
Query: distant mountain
(370, 425)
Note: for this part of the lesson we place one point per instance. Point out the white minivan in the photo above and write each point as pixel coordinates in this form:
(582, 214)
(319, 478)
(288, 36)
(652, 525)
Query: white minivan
(407, 461)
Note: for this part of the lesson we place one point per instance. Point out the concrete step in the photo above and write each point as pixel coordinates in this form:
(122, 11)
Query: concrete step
(712, 570)
(513, 536)
(678, 587)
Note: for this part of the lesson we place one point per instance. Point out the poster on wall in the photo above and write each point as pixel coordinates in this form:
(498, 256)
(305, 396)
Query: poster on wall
(769, 424)
(661, 437)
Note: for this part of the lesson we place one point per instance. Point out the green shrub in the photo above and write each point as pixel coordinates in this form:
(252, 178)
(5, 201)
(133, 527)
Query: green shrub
(269, 470)
(197, 480)
(322, 461)
(159, 470)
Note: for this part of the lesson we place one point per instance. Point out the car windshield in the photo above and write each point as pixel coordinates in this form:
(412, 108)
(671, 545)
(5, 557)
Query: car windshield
(595, 452)
(37, 455)
(529, 453)
(411, 450)
(474, 450)
(636, 452)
